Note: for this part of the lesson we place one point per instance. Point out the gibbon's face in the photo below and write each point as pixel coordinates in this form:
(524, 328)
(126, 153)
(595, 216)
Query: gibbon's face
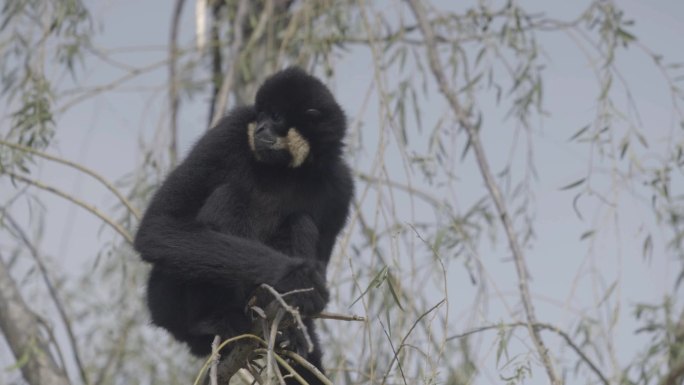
(276, 142)
(298, 119)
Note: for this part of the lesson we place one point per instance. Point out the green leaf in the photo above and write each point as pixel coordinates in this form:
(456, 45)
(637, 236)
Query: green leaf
(623, 148)
(580, 132)
(502, 346)
(379, 278)
(626, 36)
(648, 247)
(394, 292)
(573, 184)
(608, 293)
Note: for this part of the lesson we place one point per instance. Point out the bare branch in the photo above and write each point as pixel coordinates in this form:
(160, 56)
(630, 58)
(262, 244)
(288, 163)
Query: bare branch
(89, 93)
(209, 360)
(81, 168)
(464, 120)
(545, 326)
(92, 209)
(269, 321)
(216, 58)
(339, 317)
(235, 49)
(173, 82)
(403, 341)
(19, 325)
(294, 312)
(216, 357)
(306, 364)
(52, 290)
(270, 360)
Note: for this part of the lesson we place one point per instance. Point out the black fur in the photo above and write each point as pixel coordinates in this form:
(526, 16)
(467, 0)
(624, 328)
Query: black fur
(223, 222)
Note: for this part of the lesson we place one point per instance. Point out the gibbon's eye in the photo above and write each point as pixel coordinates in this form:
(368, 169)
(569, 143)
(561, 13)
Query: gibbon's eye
(277, 118)
(312, 113)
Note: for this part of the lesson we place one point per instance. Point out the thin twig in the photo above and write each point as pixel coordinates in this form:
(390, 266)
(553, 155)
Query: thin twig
(495, 193)
(216, 58)
(301, 361)
(235, 49)
(88, 94)
(339, 317)
(270, 360)
(50, 331)
(81, 168)
(210, 359)
(433, 200)
(592, 366)
(294, 312)
(289, 368)
(395, 352)
(174, 101)
(92, 209)
(116, 357)
(403, 341)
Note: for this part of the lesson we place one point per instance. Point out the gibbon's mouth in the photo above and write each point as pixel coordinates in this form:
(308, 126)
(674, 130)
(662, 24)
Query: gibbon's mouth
(267, 141)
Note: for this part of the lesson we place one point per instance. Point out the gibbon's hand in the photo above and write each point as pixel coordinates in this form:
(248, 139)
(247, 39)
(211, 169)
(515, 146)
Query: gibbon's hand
(302, 276)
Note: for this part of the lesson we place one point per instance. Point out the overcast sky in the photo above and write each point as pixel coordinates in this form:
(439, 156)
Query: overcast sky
(103, 133)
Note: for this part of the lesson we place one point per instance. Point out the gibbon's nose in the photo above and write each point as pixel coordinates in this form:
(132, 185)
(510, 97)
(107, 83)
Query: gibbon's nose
(264, 134)
(260, 128)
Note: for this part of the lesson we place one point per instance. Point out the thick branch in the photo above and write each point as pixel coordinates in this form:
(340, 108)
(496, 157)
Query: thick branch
(52, 290)
(20, 328)
(465, 121)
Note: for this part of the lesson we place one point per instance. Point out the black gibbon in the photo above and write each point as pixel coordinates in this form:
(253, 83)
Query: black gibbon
(260, 198)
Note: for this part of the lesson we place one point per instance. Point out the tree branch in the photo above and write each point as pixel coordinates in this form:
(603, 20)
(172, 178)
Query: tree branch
(81, 168)
(594, 368)
(20, 328)
(216, 58)
(235, 55)
(52, 290)
(267, 322)
(173, 81)
(674, 376)
(495, 193)
(92, 209)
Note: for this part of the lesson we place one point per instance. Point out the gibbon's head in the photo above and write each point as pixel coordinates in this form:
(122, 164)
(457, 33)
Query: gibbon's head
(298, 121)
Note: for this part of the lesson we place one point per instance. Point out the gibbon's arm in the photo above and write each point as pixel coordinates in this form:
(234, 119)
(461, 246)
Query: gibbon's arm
(337, 211)
(190, 251)
(170, 236)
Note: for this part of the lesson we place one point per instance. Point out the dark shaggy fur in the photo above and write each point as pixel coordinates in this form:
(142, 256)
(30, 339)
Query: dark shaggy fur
(224, 222)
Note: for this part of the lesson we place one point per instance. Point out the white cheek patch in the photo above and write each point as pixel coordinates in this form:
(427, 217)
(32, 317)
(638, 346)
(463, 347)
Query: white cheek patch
(251, 128)
(280, 144)
(294, 143)
(298, 147)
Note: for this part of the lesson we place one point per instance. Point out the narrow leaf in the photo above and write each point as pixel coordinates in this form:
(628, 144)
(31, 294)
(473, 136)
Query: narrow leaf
(573, 184)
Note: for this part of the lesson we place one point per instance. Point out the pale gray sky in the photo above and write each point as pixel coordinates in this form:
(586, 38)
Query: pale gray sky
(102, 133)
